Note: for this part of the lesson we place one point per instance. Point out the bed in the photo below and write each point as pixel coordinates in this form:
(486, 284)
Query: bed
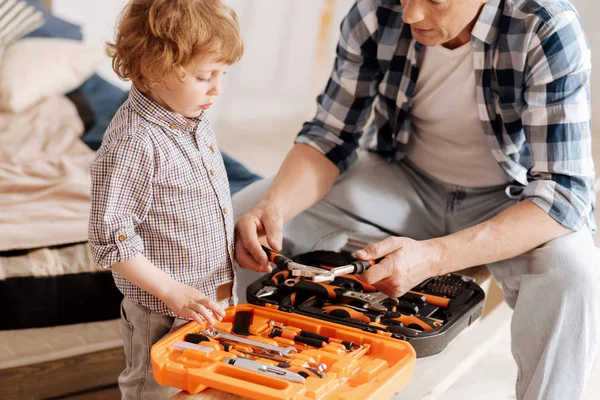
(59, 312)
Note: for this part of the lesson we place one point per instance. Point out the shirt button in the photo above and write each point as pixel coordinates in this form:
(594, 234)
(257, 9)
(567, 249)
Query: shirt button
(122, 238)
(212, 173)
(188, 124)
(212, 149)
(224, 211)
(173, 126)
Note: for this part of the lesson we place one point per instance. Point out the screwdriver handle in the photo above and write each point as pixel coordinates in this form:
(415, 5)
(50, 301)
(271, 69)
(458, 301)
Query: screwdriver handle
(300, 339)
(348, 345)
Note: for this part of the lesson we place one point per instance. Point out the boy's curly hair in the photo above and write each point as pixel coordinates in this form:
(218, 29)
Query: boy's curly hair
(155, 38)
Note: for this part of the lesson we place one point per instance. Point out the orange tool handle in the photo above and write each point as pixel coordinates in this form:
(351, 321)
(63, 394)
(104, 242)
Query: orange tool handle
(365, 287)
(276, 258)
(280, 277)
(321, 289)
(346, 312)
(412, 320)
(433, 299)
(300, 339)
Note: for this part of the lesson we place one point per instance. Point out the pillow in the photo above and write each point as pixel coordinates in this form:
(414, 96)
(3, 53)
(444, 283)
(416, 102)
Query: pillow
(17, 18)
(54, 27)
(35, 68)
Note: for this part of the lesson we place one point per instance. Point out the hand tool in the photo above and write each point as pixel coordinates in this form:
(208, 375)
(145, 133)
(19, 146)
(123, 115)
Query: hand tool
(306, 372)
(300, 339)
(353, 283)
(264, 369)
(186, 345)
(266, 291)
(322, 275)
(348, 345)
(409, 321)
(315, 273)
(360, 351)
(214, 333)
(373, 301)
(433, 299)
(346, 312)
(413, 298)
(308, 334)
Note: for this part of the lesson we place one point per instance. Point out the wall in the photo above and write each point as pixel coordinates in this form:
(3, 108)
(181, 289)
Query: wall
(276, 77)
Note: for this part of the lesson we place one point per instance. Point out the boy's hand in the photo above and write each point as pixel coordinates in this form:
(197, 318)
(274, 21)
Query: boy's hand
(264, 224)
(188, 302)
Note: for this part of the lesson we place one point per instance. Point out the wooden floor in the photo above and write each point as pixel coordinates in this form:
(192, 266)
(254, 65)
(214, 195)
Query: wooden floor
(108, 393)
(86, 376)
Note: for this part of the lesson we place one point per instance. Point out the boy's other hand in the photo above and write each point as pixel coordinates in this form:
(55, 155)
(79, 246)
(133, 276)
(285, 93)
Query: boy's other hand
(188, 302)
(264, 224)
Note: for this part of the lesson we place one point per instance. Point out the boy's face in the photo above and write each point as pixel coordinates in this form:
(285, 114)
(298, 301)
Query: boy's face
(196, 92)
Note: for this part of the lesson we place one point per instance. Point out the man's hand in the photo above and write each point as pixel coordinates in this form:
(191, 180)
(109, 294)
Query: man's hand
(188, 302)
(264, 224)
(407, 263)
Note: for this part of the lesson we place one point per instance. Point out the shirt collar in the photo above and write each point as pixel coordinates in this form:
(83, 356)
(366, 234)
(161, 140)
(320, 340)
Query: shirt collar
(157, 114)
(487, 26)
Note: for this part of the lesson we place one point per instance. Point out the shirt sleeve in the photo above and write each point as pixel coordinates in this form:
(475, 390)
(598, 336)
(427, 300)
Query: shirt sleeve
(344, 107)
(121, 196)
(557, 121)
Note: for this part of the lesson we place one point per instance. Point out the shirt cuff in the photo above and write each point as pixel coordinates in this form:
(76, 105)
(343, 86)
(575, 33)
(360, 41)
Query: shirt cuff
(559, 202)
(126, 244)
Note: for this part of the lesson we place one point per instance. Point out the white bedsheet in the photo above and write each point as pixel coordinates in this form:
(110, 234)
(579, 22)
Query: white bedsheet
(44, 178)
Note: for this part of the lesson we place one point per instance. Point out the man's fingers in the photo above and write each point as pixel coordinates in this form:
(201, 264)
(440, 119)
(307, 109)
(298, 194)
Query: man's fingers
(246, 261)
(272, 225)
(249, 239)
(379, 249)
(378, 272)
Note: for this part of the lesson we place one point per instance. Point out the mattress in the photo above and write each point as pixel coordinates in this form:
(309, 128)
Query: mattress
(31, 346)
(55, 286)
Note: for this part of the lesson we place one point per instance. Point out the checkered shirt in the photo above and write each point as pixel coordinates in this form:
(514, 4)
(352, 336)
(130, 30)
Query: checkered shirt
(532, 71)
(159, 188)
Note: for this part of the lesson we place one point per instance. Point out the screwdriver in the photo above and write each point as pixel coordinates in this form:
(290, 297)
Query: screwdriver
(348, 345)
(300, 339)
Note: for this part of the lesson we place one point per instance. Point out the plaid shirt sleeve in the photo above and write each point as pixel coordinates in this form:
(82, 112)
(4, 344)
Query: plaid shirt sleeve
(557, 121)
(121, 196)
(344, 107)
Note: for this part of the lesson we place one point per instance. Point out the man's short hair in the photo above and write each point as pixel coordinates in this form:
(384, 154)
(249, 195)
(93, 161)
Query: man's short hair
(155, 38)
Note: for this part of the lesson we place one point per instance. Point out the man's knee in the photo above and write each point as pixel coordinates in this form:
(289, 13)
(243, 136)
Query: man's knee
(247, 198)
(576, 266)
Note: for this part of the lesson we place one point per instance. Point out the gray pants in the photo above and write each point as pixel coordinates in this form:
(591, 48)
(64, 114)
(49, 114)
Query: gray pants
(552, 289)
(141, 329)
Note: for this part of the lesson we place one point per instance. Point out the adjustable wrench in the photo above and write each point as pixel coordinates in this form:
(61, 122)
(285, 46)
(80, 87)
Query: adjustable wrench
(213, 332)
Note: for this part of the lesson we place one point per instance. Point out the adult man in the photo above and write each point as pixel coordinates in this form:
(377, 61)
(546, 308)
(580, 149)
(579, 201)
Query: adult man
(479, 153)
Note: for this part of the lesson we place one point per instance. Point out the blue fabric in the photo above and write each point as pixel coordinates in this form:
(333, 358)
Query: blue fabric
(54, 27)
(239, 176)
(104, 100)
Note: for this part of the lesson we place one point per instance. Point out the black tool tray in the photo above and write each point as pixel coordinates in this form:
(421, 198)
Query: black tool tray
(428, 317)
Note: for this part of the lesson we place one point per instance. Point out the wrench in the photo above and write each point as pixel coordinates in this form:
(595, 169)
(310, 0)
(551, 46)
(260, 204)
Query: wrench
(213, 332)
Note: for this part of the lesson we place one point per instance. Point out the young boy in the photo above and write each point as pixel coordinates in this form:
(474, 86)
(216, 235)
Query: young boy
(161, 215)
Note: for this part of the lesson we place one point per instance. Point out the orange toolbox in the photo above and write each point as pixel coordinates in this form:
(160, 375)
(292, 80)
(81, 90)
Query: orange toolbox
(315, 333)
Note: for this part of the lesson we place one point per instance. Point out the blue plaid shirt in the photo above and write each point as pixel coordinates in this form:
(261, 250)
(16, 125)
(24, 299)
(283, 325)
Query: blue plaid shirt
(532, 67)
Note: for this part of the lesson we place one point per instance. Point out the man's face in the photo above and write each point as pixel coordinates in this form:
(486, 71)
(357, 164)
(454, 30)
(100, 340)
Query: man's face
(196, 92)
(436, 22)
